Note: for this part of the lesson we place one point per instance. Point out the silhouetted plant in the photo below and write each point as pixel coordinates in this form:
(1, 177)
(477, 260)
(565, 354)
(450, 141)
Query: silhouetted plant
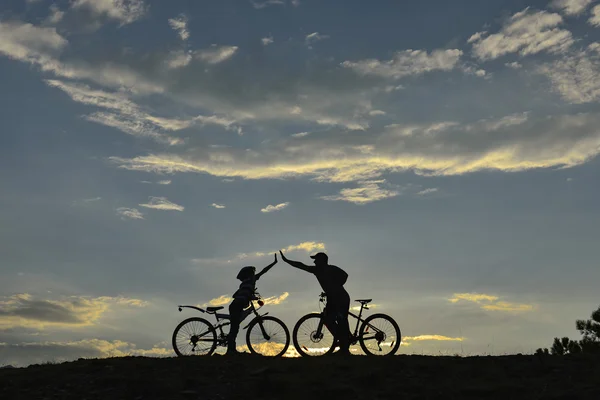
(590, 329)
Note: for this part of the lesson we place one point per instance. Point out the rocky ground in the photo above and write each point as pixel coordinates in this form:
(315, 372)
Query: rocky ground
(358, 377)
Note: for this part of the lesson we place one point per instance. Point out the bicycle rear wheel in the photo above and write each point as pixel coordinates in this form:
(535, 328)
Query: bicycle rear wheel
(379, 335)
(194, 336)
(277, 339)
(311, 336)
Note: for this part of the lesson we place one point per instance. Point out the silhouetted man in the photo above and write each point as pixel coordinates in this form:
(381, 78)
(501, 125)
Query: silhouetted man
(332, 280)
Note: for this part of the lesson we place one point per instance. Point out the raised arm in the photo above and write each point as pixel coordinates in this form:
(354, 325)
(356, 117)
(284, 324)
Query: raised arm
(265, 269)
(297, 264)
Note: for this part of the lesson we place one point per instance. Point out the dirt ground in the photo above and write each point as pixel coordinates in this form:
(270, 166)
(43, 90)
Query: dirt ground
(357, 377)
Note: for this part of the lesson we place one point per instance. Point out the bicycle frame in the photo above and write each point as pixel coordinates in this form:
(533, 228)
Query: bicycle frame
(222, 340)
(354, 336)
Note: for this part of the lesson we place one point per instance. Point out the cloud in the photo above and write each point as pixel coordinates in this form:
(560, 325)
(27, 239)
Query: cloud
(123, 11)
(571, 7)
(258, 5)
(87, 201)
(215, 205)
(29, 43)
(526, 32)
(224, 300)
(515, 142)
(26, 353)
(165, 182)
(427, 191)
(315, 37)
(278, 207)
(367, 192)
(491, 302)
(595, 18)
(129, 213)
(55, 16)
(23, 311)
(161, 203)
(308, 247)
(127, 116)
(220, 301)
(431, 337)
(300, 134)
(576, 76)
(216, 54)
(275, 300)
(267, 40)
(407, 63)
(376, 112)
(179, 25)
(514, 65)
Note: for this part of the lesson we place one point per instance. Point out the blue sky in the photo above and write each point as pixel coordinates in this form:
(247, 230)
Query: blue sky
(443, 153)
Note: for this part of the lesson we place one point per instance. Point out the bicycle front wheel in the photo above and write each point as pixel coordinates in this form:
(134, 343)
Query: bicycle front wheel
(268, 336)
(311, 336)
(380, 335)
(194, 336)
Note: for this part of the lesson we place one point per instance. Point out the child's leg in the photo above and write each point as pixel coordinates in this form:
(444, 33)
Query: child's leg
(235, 313)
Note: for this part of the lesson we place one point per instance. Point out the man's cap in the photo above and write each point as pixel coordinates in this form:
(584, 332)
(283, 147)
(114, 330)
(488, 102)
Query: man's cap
(320, 256)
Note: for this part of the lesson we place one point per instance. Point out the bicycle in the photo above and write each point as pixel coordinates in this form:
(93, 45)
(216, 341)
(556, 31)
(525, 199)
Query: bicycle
(266, 335)
(312, 339)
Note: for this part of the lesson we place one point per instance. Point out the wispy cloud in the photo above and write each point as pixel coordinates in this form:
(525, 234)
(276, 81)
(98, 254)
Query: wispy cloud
(267, 40)
(514, 65)
(224, 300)
(308, 247)
(220, 301)
(179, 25)
(407, 63)
(123, 11)
(161, 203)
(576, 76)
(258, 4)
(315, 37)
(215, 205)
(571, 7)
(491, 302)
(300, 134)
(595, 18)
(278, 207)
(367, 192)
(165, 182)
(216, 54)
(55, 16)
(87, 201)
(129, 213)
(526, 32)
(421, 338)
(425, 192)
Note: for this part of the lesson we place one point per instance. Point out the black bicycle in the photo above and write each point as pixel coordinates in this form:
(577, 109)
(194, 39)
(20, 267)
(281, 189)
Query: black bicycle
(379, 334)
(265, 335)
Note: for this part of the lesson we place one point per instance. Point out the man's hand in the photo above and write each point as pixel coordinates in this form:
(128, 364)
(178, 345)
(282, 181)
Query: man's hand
(282, 256)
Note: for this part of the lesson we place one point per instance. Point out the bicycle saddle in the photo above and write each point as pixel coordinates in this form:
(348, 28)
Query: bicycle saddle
(364, 301)
(213, 309)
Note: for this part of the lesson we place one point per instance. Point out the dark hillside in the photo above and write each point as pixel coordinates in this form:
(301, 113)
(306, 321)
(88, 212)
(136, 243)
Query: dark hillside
(218, 377)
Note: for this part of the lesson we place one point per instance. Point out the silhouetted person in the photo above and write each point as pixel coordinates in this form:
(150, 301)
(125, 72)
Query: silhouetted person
(241, 300)
(332, 280)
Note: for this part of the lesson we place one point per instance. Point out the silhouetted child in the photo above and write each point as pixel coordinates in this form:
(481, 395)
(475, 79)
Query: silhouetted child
(241, 300)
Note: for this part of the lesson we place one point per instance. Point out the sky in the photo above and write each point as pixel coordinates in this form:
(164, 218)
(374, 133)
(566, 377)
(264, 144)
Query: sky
(444, 154)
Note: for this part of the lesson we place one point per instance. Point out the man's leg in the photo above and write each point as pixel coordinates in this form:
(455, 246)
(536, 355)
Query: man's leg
(330, 320)
(342, 306)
